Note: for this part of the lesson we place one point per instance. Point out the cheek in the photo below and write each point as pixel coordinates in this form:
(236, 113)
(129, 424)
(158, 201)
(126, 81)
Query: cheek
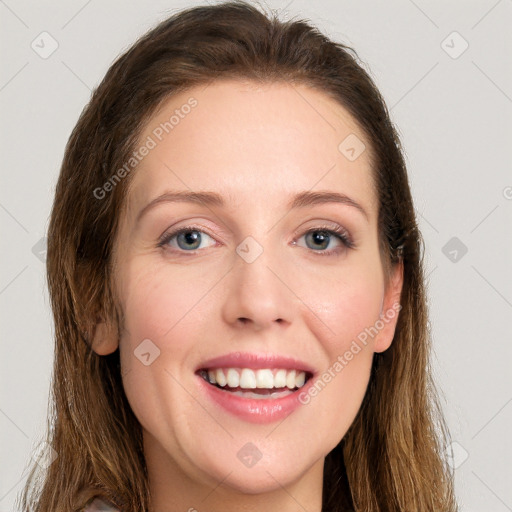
(159, 302)
(158, 331)
(347, 311)
(163, 318)
(347, 302)
(342, 309)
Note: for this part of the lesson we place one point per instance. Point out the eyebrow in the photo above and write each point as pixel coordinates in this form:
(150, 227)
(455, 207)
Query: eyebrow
(206, 198)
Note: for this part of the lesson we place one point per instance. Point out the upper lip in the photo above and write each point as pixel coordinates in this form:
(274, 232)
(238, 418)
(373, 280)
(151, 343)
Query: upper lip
(255, 361)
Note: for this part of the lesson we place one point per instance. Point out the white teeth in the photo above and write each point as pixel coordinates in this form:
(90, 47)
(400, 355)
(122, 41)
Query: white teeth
(290, 379)
(220, 378)
(264, 379)
(233, 378)
(247, 378)
(300, 378)
(280, 379)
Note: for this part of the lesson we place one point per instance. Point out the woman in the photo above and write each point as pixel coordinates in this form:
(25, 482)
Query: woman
(237, 285)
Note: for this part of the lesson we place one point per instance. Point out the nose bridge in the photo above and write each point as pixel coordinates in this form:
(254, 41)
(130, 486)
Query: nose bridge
(258, 293)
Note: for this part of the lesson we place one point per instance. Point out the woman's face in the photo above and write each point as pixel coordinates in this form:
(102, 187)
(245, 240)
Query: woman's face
(267, 276)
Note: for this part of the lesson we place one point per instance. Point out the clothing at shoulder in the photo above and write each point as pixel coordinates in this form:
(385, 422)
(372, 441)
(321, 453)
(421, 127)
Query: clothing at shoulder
(99, 505)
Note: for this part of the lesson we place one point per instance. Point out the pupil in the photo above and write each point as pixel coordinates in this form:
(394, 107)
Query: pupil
(321, 237)
(190, 237)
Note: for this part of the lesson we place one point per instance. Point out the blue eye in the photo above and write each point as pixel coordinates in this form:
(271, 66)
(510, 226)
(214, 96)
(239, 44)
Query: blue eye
(187, 239)
(190, 238)
(321, 238)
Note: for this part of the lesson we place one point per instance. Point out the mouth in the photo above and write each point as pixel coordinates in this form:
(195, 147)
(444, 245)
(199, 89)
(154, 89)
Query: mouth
(256, 387)
(256, 384)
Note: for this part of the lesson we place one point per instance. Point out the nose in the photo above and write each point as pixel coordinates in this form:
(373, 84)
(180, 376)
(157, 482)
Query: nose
(259, 295)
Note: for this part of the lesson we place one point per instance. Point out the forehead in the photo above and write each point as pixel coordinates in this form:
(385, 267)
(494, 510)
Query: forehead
(255, 144)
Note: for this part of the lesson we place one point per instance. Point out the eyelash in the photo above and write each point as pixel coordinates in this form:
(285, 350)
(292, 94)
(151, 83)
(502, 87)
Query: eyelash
(340, 233)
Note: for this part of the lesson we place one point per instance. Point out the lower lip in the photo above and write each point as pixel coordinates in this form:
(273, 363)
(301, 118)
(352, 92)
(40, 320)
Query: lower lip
(253, 409)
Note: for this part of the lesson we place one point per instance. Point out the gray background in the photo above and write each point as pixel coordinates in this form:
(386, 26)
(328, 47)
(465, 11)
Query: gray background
(453, 110)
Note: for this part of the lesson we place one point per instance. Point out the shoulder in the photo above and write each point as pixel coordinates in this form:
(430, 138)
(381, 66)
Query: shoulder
(99, 505)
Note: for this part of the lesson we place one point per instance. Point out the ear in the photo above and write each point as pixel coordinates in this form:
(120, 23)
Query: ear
(104, 339)
(390, 309)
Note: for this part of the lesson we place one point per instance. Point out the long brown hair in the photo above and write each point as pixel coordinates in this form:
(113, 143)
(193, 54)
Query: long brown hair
(392, 457)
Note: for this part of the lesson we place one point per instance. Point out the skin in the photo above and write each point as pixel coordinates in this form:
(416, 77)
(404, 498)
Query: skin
(257, 146)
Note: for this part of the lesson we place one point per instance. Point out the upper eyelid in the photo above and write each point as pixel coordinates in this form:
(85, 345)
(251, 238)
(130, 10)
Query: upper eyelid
(303, 231)
(168, 235)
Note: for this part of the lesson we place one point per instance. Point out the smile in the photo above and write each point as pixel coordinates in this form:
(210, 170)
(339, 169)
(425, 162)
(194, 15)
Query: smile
(266, 382)
(255, 395)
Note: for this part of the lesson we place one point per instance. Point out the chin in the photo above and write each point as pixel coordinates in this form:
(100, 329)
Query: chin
(258, 481)
(263, 476)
